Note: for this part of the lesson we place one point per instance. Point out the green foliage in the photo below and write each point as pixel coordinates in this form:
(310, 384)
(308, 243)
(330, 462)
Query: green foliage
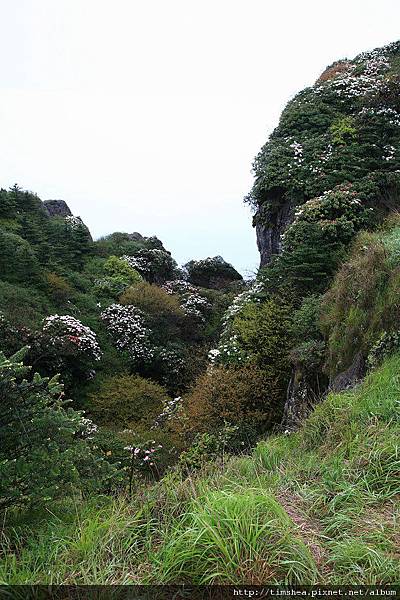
(46, 450)
(128, 401)
(362, 303)
(23, 306)
(386, 345)
(115, 267)
(164, 311)
(263, 332)
(248, 397)
(211, 273)
(319, 505)
(18, 263)
(118, 276)
(223, 533)
(343, 130)
(207, 447)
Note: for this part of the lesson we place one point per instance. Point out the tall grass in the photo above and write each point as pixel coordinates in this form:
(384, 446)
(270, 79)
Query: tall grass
(320, 505)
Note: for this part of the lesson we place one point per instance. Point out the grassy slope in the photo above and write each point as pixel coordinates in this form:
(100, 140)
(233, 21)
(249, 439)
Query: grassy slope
(320, 505)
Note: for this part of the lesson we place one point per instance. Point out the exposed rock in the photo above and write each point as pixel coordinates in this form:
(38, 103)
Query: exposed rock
(303, 393)
(351, 376)
(57, 208)
(269, 229)
(135, 236)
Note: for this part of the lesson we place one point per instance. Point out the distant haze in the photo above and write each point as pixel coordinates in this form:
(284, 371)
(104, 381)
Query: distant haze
(146, 115)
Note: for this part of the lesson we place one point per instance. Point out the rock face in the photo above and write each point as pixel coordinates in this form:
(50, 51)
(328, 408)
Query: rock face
(269, 229)
(57, 208)
(304, 391)
(351, 376)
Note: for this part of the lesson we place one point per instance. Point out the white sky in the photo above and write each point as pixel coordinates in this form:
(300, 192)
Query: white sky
(146, 115)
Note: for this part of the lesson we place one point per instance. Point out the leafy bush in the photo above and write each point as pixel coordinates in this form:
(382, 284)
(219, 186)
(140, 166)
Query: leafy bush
(128, 401)
(118, 275)
(18, 262)
(23, 306)
(386, 345)
(155, 265)
(46, 450)
(163, 309)
(245, 397)
(59, 288)
(211, 272)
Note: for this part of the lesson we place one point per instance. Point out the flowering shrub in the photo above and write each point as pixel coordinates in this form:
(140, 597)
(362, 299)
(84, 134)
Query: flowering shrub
(145, 457)
(154, 264)
(228, 350)
(67, 334)
(74, 222)
(339, 213)
(211, 272)
(170, 409)
(193, 303)
(342, 129)
(127, 327)
(163, 310)
(118, 276)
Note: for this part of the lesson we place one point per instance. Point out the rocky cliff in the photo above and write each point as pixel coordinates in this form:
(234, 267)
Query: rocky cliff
(57, 208)
(344, 129)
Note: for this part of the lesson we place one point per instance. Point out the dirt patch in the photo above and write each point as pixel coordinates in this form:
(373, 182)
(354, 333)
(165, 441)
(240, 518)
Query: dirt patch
(308, 528)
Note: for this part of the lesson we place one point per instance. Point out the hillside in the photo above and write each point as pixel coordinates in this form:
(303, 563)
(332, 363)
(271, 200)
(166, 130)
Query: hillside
(320, 505)
(187, 427)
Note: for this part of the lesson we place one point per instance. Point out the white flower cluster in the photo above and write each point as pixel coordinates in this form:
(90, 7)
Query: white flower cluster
(365, 75)
(66, 329)
(172, 360)
(390, 114)
(88, 427)
(298, 152)
(179, 286)
(228, 348)
(193, 304)
(389, 152)
(145, 260)
(170, 409)
(74, 222)
(227, 351)
(241, 300)
(126, 324)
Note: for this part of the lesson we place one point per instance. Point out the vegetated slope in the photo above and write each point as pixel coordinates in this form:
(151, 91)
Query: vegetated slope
(319, 505)
(316, 504)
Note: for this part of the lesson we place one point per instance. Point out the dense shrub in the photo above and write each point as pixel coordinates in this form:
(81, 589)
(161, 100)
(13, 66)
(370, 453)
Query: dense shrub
(59, 288)
(46, 450)
(211, 272)
(155, 265)
(18, 262)
(128, 401)
(23, 306)
(245, 397)
(163, 309)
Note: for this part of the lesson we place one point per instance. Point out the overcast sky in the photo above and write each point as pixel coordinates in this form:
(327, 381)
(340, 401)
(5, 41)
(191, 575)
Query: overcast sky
(146, 115)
